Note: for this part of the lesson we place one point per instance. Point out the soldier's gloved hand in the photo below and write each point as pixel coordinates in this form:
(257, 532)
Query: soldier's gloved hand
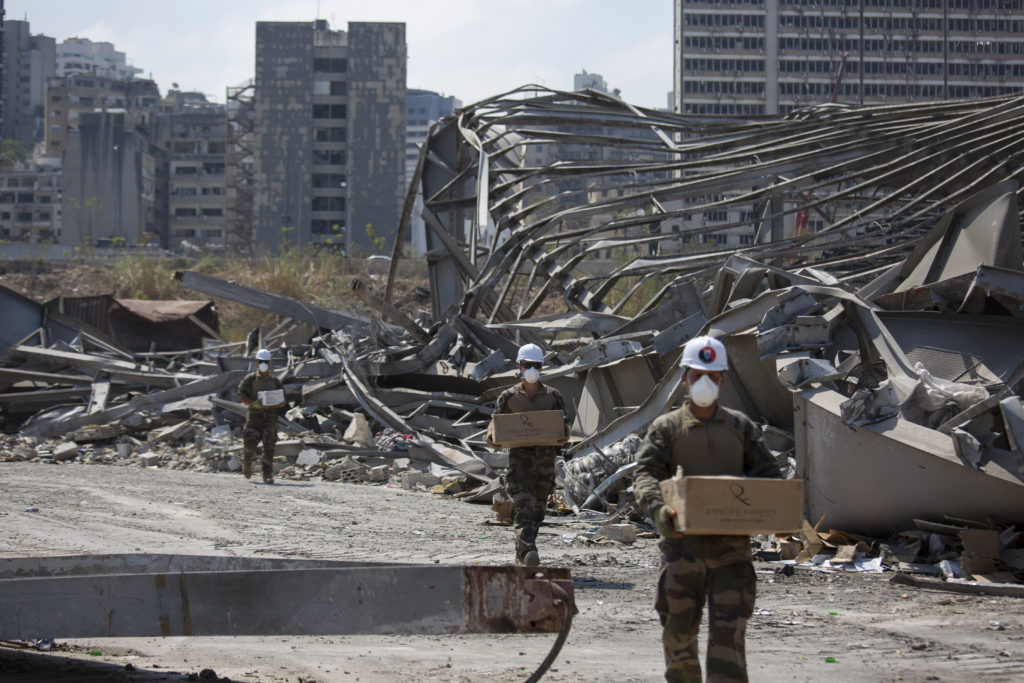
(664, 522)
(256, 405)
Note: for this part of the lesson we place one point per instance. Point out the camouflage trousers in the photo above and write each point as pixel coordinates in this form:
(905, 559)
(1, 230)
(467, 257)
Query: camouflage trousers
(260, 427)
(530, 480)
(695, 570)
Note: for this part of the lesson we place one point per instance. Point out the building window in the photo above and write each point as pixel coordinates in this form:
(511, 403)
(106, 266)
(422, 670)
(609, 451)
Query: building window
(330, 66)
(330, 135)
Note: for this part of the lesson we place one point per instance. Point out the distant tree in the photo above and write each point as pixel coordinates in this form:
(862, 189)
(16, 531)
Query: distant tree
(13, 150)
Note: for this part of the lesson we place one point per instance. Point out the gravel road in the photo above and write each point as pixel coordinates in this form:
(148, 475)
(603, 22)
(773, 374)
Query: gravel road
(810, 626)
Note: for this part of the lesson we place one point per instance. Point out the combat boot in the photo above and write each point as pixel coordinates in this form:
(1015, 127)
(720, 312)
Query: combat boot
(247, 468)
(268, 475)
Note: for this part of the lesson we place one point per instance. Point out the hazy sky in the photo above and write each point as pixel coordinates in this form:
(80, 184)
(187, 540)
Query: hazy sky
(471, 49)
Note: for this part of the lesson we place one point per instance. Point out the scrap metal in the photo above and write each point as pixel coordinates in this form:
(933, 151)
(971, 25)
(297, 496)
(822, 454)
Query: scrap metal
(877, 344)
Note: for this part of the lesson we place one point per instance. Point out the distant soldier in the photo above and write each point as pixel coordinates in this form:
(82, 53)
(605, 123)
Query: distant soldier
(531, 469)
(254, 391)
(705, 439)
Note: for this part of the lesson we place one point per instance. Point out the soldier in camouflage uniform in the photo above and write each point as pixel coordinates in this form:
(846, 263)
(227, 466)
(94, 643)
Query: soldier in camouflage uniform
(261, 420)
(531, 469)
(704, 439)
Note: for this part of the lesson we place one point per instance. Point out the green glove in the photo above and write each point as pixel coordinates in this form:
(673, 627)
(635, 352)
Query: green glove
(664, 522)
(256, 405)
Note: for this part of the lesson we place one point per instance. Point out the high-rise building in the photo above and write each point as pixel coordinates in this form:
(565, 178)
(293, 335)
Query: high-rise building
(28, 61)
(82, 56)
(423, 109)
(749, 57)
(329, 136)
(192, 135)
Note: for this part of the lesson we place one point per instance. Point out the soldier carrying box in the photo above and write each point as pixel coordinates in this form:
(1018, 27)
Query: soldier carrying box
(531, 468)
(263, 393)
(703, 438)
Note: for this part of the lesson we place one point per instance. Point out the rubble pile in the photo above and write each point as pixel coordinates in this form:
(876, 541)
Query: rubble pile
(863, 268)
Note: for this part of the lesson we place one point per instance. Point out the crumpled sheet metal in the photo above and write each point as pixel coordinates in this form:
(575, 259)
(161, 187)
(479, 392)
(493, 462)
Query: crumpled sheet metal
(612, 259)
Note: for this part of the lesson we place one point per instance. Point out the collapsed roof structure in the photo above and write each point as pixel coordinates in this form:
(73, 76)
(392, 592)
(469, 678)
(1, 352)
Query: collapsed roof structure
(862, 266)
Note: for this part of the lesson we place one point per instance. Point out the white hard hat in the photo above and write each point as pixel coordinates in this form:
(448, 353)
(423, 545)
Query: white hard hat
(263, 354)
(530, 353)
(704, 353)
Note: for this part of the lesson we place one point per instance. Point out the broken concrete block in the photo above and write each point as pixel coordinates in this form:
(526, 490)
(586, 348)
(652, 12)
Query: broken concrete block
(379, 473)
(149, 459)
(410, 478)
(621, 533)
(174, 432)
(358, 432)
(65, 451)
(221, 432)
(308, 457)
(232, 464)
(289, 448)
(401, 464)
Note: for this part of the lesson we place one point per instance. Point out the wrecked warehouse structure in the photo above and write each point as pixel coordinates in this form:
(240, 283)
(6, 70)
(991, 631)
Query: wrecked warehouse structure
(862, 266)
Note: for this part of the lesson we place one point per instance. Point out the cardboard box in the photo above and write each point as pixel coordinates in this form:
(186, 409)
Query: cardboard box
(735, 505)
(535, 428)
(271, 398)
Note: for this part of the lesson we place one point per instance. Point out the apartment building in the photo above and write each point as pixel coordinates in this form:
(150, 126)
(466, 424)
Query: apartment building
(329, 134)
(29, 202)
(28, 61)
(750, 57)
(82, 56)
(193, 141)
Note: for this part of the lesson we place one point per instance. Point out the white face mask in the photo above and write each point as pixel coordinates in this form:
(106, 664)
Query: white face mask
(531, 375)
(704, 392)
(264, 367)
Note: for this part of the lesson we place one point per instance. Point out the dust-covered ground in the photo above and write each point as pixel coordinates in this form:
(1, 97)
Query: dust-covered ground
(810, 626)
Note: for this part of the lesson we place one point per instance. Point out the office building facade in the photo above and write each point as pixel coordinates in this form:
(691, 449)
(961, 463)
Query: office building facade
(750, 57)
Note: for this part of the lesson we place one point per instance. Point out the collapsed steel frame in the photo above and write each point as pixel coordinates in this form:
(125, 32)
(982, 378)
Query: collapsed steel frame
(504, 236)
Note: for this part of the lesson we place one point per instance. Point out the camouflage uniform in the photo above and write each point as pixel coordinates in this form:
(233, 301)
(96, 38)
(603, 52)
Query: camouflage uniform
(260, 423)
(531, 469)
(697, 568)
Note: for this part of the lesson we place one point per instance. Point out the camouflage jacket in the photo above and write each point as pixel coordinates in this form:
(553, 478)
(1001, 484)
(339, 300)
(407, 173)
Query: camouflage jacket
(727, 444)
(255, 382)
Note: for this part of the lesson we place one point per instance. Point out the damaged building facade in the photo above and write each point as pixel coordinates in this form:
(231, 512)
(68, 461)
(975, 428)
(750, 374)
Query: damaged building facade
(329, 133)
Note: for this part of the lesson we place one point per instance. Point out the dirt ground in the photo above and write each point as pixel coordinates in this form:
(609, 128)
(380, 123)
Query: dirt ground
(809, 626)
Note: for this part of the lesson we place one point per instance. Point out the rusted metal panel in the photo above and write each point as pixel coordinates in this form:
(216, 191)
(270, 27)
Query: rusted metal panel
(173, 595)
